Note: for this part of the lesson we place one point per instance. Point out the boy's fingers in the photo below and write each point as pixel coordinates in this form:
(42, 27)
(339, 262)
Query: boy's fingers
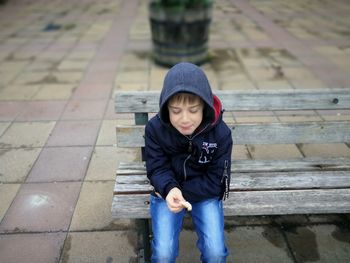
(187, 205)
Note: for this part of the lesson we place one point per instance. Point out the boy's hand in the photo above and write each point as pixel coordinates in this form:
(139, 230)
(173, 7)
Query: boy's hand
(175, 200)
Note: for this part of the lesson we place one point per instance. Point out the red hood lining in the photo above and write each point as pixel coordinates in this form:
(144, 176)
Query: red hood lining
(217, 108)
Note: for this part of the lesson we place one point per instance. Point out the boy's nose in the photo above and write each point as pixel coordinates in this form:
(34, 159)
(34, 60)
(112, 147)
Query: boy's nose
(184, 116)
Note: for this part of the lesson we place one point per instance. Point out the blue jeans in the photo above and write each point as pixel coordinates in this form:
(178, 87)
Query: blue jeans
(208, 220)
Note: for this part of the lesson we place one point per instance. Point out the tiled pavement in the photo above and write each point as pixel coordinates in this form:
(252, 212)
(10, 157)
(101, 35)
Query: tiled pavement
(60, 62)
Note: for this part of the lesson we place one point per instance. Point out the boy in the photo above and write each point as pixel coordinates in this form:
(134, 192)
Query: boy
(188, 158)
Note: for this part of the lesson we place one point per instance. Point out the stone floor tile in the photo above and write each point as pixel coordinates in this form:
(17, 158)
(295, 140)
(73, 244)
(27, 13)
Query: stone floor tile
(74, 133)
(31, 78)
(7, 194)
(57, 164)
(257, 244)
(126, 86)
(107, 134)
(19, 92)
(308, 84)
(92, 91)
(38, 65)
(55, 91)
(105, 160)
(131, 76)
(274, 151)
(320, 243)
(101, 78)
(3, 127)
(93, 210)
(245, 244)
(298, 73)
(42, 207)
(42, 110)
(325, 150)
(72, 65)
(26, 134)
(274, 85)
(49, 55)
(29, 248)
(188, 251)
(84, 110)
(16, 66)
(10, 109)
(240, 152)
(238, 85)
(69, 77)
(16, 163)
(7, 75)
(110, 111)
(111, 246)
(81, 55)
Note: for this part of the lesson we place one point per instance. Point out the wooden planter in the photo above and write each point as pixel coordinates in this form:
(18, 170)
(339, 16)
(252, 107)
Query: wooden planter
(180, 35)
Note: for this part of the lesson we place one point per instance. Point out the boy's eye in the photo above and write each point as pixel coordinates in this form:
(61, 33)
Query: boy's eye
(194, 110)
(175, 111)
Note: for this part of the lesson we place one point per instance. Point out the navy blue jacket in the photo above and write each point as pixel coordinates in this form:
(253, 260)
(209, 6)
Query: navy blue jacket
(199, 164)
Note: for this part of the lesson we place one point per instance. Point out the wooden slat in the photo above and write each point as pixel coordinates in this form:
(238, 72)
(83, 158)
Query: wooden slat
(147, 101)
(300, 164)
(288, 202)
(253, 181)
(131, 184)
(253, 203)
(260, 133)
(284, 133)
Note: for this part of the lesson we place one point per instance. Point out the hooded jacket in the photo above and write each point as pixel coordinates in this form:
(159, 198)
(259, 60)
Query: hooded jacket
(199, 165)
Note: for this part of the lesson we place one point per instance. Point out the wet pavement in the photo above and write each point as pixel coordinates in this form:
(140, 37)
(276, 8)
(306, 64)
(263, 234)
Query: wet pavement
(61, 61)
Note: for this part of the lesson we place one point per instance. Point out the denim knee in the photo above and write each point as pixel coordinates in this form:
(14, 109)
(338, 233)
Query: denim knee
(213, 252)
(165, 252)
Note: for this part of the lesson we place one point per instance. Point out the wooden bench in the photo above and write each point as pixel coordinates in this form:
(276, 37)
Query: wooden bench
(258, 187)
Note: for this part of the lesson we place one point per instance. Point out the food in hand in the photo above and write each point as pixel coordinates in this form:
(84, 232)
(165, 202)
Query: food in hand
(187, 205)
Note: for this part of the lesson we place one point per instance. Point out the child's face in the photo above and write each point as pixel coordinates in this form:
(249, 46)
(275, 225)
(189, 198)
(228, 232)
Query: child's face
(186, 115)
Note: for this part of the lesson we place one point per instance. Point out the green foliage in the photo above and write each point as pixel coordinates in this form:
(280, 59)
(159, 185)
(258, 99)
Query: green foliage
(182, 4)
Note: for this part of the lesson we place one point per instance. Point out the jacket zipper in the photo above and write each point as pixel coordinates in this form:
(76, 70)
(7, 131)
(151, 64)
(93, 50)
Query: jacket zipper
(190, 138)
(184, 166)
(225, 181)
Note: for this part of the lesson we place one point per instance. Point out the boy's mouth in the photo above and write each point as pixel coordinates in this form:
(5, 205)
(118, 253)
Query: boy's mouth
(186, 127)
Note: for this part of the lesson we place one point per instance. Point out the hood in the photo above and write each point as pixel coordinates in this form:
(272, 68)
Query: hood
(187, 77)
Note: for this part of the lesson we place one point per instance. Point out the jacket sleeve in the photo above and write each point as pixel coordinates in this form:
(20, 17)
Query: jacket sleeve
(158, 165)
(216, 181)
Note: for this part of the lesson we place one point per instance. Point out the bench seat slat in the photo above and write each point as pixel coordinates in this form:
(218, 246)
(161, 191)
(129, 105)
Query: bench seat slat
(260, 133)
(253, 203)
(148, 101)
(301, 164)
(253, 181)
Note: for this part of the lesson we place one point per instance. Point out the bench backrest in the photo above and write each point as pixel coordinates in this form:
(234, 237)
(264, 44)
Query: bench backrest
(147, 101)
(142, 103)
